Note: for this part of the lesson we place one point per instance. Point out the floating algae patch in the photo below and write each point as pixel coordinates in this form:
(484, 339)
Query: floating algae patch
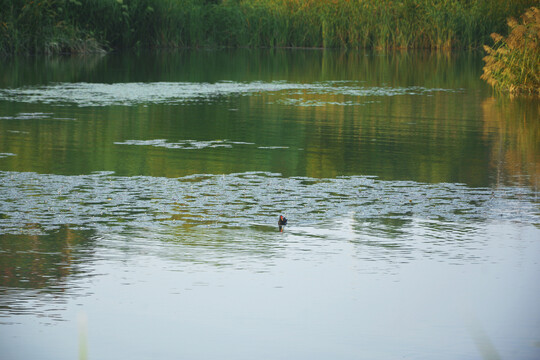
(184, 144)
(128, 94)
(116, 203)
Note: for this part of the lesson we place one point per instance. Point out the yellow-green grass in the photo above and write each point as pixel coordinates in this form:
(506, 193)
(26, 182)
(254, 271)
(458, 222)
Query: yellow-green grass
(513, 63)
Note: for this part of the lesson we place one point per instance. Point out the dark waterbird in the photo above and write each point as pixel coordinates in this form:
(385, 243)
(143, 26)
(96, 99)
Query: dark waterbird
(282, 222)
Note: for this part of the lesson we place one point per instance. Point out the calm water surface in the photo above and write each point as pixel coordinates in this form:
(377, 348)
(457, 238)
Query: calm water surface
(139, 196)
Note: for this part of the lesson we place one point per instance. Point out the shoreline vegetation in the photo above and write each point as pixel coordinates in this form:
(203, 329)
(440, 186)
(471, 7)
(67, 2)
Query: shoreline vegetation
(513, 63)
(86, 26)
(98, 26)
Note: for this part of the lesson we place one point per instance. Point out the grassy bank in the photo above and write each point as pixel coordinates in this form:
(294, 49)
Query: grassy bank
(52, 26)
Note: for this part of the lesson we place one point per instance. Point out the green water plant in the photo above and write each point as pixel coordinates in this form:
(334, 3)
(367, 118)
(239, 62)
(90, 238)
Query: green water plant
(513, 62)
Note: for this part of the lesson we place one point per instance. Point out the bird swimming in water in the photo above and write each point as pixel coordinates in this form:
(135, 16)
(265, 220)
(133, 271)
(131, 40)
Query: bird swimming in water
(281, 222)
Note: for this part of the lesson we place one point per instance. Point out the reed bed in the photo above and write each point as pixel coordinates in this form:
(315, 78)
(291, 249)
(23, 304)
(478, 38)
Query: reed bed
(513, 63)
(30, 26)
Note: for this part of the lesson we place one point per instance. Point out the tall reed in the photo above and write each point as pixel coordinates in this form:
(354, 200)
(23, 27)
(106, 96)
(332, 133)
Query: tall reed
(513, 63)
(91, 25)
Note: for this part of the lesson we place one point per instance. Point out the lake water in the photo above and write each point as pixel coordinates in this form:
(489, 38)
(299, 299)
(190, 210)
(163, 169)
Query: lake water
(140, 193)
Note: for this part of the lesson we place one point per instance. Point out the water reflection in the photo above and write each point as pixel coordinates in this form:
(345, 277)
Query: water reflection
(39, 271)
(436, 69)
(333, 140)
(512, 126)
(421, 117)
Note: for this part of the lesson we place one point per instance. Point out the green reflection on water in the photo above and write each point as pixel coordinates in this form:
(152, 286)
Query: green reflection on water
(425, 117)
(38, 272)
(43, 260)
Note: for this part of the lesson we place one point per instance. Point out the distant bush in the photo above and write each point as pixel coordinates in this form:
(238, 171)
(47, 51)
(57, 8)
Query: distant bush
(44, 26)
(513, 63)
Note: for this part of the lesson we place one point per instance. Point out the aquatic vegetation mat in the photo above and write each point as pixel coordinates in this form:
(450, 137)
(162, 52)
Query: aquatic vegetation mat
(36, 203)
(128, 94)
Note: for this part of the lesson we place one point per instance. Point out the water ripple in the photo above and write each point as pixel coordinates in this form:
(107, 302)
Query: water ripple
(31, 202)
